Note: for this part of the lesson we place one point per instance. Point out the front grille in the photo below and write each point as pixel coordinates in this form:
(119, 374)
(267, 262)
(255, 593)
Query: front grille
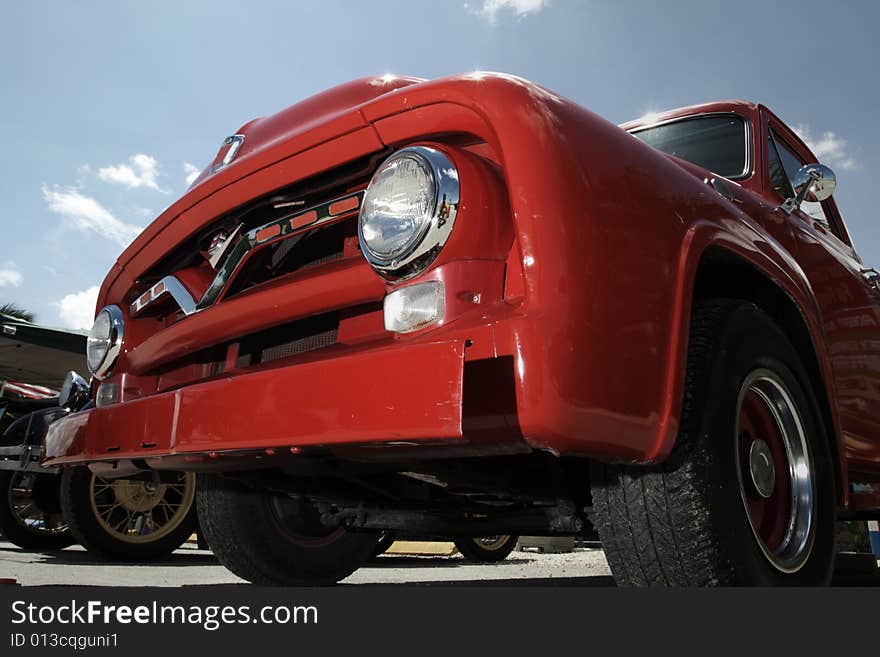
(297, 253)
(255, 213)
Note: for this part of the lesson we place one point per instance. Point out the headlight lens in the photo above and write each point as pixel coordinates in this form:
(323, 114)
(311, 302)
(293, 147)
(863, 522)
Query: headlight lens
(408, 210)
(105, 341)
(398, 205)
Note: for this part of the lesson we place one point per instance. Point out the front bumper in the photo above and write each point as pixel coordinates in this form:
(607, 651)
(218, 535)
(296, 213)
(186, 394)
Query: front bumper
(397, 394)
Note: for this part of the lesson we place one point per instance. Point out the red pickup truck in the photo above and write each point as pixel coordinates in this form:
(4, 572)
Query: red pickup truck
(470, 307)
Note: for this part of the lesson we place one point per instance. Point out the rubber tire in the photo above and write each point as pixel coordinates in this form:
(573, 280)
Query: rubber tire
(683, 523)
(246, 537)
(473, 551)
(77, 509)
(13, 532)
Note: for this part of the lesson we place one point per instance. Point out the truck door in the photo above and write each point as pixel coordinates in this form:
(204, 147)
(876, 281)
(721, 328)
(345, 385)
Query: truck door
(848, 294)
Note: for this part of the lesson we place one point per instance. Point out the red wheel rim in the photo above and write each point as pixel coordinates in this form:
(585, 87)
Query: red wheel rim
(770, 514)
(774, 470)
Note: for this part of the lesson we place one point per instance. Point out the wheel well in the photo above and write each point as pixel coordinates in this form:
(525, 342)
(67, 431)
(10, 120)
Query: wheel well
(724, 274)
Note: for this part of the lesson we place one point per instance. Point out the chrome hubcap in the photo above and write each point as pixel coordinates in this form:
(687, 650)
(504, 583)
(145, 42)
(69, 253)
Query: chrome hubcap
(775, 471)
(762, 469)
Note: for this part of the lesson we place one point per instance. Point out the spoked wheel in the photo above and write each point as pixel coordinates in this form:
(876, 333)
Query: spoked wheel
(275, 540)
(30, 515)
(775, 471)
(748, 494)
(487, 549)
(129, 518)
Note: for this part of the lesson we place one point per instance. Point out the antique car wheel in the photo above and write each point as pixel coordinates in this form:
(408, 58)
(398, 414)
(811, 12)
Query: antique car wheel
(747, 495)
(30, 515)
(129, 518)
(487, 549)
(274, 540)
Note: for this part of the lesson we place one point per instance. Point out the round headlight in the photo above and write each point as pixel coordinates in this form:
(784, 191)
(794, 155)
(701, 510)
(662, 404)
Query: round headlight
(105, 341)
(74, 392)
(408, 210)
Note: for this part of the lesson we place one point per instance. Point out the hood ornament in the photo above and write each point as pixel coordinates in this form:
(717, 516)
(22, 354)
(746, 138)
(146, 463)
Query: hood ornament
(232, 144)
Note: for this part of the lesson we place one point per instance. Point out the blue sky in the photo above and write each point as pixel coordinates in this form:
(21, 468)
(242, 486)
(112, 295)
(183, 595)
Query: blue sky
(108, 105)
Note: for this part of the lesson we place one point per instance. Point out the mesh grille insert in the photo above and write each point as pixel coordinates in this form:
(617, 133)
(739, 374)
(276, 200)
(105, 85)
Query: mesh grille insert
(289, 340)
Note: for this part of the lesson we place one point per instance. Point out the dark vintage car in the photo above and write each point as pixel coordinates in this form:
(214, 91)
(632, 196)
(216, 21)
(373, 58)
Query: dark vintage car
(145, 515)
(471, 307)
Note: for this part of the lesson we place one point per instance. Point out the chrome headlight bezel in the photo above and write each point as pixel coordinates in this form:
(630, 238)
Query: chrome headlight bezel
(420, 250)
(113, 340)
(74, 391)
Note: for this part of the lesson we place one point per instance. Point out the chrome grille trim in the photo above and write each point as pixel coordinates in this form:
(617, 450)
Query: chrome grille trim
(287, 226)
(168, 285)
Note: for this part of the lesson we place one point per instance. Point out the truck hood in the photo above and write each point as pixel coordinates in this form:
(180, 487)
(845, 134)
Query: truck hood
(319, 118)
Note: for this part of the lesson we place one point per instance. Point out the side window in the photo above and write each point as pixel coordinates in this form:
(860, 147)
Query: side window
(778, 177)
(790, 163)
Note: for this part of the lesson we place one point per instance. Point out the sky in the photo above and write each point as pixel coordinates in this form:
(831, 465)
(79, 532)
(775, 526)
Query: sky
(109, 107)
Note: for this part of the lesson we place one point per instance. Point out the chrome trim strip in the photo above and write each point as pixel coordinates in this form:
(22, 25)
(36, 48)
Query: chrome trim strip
(227, 244)
(274, 231)
(287, 226)
(168, 285)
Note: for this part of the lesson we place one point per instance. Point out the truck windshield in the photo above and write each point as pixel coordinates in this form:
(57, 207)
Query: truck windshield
(717, 142)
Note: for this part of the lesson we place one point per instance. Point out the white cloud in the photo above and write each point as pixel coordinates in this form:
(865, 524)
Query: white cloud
(87, 214)
(77, 310)
(192, 172)
(829, 149)
(141, 171)
(491, 8)
(9, 275)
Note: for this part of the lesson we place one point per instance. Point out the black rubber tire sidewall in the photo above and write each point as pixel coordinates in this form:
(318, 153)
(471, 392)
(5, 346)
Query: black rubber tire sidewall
(12, 530)
(246, 537)
(752, 341)
(77, 509)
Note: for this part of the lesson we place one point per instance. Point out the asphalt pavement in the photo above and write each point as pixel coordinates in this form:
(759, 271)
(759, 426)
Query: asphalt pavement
(189, 566)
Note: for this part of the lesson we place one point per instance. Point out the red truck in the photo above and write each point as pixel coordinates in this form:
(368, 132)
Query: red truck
(469, 307)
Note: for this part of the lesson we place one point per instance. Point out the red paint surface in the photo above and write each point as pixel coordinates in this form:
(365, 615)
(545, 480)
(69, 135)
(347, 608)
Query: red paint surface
(582, 242)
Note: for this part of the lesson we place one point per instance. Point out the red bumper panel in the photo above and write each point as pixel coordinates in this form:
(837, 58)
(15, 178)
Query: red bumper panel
(405, 392)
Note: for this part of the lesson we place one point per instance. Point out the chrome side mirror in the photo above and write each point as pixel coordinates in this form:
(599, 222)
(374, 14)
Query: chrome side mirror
(813, 183)
(74, 393)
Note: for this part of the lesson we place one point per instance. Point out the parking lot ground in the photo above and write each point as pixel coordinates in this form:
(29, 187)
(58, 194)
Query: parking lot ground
(189, 566)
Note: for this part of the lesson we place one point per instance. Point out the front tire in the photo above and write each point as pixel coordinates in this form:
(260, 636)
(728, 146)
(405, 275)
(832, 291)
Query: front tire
(274, 540)
(747, 496)
(129, 519)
